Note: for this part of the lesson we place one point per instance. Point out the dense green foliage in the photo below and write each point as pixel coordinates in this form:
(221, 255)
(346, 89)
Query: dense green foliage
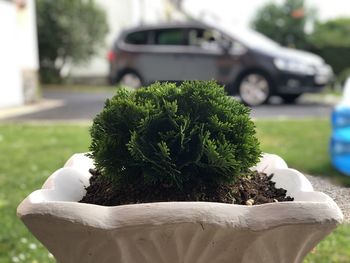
(69, 31)
(285, 22)
(331, 40)
(168, 135)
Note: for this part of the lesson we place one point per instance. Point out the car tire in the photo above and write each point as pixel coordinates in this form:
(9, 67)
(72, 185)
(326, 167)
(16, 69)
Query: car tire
(290, 98)
(254, 89)
(130, 80)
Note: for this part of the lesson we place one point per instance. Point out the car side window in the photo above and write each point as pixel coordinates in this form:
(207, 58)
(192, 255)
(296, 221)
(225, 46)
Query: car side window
(204, 38)
(210, 39)
(170, 37)
(137, 38)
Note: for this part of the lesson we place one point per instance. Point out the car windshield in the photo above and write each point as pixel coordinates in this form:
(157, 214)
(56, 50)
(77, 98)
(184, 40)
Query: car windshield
(251, 38)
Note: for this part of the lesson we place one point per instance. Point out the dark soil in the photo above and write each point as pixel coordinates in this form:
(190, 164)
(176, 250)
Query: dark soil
(256, 188)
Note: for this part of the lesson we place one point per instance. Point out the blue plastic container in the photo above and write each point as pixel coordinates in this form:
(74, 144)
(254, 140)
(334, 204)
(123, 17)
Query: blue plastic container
(341, 117)
(340, 140)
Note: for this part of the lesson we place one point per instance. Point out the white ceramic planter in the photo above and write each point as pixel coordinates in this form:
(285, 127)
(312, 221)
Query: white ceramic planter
(174, 232)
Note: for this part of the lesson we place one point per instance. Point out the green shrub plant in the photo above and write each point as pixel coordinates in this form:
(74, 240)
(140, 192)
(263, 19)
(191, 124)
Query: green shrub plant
(180, 137)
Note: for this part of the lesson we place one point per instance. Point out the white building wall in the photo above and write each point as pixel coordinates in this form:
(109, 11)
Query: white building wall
(27, 33)
(11, 92)
(28, 52)
(120, 14)
(18, 54)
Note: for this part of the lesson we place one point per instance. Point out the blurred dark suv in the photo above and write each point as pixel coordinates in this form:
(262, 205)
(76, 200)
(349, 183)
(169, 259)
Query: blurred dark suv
(246, 62)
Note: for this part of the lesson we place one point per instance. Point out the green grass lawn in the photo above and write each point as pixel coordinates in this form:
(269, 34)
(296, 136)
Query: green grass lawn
(30, 153)
(302, 143)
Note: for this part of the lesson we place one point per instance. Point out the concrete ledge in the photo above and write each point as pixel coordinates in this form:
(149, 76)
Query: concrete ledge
(41, 105)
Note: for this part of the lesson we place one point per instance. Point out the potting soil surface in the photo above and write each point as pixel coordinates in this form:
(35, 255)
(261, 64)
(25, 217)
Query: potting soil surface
(253, 189)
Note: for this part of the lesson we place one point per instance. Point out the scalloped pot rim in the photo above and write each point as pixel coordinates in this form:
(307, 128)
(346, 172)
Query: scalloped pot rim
(61, 191)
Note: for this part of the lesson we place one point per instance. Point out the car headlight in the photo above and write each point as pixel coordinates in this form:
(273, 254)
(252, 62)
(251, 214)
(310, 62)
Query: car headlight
(294, 66)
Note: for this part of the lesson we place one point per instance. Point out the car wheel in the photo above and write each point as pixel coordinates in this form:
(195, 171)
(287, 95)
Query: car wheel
(254, 89)
(290, 98)
(130, 80)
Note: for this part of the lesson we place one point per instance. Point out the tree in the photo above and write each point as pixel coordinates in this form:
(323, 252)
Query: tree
(285, 23)
(331, 40)
(68, 31)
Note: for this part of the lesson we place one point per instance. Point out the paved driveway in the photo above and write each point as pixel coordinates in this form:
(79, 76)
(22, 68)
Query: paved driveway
(85, 105)
(75, 106)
